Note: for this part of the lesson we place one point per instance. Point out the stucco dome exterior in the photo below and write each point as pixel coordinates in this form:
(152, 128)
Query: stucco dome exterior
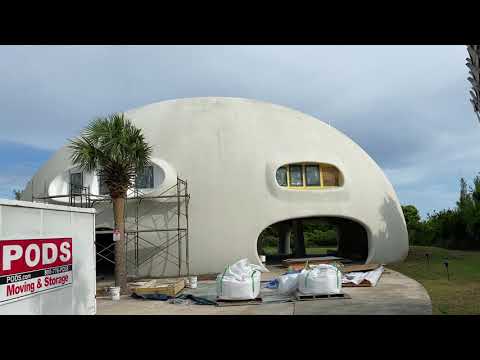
(229, 151)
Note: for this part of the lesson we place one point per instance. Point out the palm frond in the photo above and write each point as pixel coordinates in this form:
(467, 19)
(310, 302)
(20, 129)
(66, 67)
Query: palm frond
(473, 64)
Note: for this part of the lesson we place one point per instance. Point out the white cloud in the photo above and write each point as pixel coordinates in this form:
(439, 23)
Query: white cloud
(9, 183)
(407, 106)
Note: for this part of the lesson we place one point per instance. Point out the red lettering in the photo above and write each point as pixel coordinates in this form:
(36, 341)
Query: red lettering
(14, 289)
(10, 290)
(52, 281)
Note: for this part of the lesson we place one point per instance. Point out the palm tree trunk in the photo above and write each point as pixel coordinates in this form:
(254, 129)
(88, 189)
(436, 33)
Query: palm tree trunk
(120, 256)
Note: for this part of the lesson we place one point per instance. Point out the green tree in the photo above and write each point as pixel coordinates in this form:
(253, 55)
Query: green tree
(411, 215)
(117, 151)
(464, 194)
(469, 212)
(412, 219)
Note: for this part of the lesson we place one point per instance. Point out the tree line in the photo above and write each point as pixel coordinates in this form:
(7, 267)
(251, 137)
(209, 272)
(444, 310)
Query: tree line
(457, 228)
(315, 235)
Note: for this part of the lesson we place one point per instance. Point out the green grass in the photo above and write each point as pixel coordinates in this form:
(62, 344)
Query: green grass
(457, 296)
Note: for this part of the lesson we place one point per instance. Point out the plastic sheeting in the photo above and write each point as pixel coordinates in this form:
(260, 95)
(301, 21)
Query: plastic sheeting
(358, 277)
(288, 283)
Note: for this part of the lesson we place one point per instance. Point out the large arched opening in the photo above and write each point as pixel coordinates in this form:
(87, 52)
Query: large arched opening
(314, 237)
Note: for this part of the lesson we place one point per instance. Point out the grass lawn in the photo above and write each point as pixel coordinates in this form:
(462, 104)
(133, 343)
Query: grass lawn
(460, 295)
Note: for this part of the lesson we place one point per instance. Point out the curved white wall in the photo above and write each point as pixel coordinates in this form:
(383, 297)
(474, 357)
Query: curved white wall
(228, 150)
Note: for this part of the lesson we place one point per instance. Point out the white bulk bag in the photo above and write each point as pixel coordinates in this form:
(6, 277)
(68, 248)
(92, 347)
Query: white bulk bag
(288, 283)
(240, 281)
(322, 280)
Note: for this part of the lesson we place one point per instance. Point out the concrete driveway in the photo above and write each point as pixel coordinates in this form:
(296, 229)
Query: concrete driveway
(395, 294)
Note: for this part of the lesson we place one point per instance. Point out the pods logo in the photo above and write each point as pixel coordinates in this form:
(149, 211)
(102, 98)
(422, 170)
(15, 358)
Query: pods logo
(33, 266)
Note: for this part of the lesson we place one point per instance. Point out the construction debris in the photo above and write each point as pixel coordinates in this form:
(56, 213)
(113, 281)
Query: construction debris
(240, 284)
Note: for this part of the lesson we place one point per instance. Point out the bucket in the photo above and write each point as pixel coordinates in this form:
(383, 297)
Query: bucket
(192, 282)
(115, 292)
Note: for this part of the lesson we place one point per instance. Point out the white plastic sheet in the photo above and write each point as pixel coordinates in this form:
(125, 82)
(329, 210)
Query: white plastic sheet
(240, 281)
(357, 277)
(324, 279)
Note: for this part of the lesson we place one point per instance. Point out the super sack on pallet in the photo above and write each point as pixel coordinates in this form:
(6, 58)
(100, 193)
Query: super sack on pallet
(324, 279)
(240, 281)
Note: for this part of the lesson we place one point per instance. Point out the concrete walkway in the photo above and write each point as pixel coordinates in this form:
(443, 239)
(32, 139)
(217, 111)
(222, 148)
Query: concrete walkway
(395, 294)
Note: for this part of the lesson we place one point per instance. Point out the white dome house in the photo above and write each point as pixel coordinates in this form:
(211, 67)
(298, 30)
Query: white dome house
(248, 165)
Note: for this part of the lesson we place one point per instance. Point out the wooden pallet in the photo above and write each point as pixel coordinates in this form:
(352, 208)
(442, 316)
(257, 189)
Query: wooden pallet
(312, 260)
(170, 287)
(364, 283)
(256, 301)
(303, 297)
(298, 264)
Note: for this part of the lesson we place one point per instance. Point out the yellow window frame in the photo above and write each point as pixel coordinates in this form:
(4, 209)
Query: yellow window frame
(288, 177)
(305, 186)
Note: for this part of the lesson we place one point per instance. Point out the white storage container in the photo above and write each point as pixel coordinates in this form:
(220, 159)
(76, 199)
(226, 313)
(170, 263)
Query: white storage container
(47, 259)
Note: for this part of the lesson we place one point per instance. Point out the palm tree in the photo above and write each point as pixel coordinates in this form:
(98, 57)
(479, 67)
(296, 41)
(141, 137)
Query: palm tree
(117, 151)
(473, 64)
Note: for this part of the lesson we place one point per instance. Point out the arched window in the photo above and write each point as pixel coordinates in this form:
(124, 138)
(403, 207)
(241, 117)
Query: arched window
(308, 176)
(144, 179)
(282, 176)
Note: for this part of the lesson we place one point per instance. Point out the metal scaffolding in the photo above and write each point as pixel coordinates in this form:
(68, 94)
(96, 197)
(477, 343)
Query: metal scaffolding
(177, 234)
(80, 197)
(136, 230)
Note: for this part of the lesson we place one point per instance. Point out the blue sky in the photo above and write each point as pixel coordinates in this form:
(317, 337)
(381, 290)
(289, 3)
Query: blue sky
(407, 106)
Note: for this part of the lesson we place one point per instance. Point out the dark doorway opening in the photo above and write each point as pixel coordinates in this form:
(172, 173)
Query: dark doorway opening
(105, 249)
(313, 237)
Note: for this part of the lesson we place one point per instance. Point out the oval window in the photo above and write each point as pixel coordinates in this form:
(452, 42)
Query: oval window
(309, 176)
